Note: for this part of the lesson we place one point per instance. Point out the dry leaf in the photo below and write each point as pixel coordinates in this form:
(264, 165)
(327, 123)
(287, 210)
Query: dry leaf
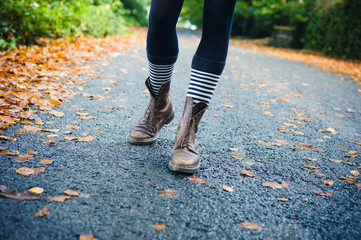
(36, 190)
(27, 172)
(251, 226)
(233, 149)
(59, 198)
(82, 114)
(50, 142)
(70, 138)
(354, 173)
(197, 180)
(87, 237)
(328, 182)
(311, 167)
(283, 199)
(310, 159)
(71, 192)
(2, 137)
(249, 163)
(42, 212)
(10, 152)
(13, 194)
(168, 193)
(335, 160)
(227, 189)
(247, 173)
(86, 139)
(23, 158)
(274, 185)
(158, 226)
(237, 157)
(322, 193)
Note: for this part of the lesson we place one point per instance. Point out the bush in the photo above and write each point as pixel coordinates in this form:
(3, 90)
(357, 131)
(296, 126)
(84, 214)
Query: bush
(24, 21)
(335, 29)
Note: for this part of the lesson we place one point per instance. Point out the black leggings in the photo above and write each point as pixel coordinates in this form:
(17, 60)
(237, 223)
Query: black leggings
(162, 42)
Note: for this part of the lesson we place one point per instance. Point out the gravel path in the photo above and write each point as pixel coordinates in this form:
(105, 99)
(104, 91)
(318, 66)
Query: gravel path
(267, 107)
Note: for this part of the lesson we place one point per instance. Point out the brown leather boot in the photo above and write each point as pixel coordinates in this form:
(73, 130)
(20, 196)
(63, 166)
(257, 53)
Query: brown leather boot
(185, 156)
(158, 113)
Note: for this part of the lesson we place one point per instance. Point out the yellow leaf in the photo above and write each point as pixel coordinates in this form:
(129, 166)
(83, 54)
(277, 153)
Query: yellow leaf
(42, 212)
(233, 149)
(247, 173)
(71, 192)
(46, 161)
(36, 190)
(227, 189)
(237, 157)
(197, 179)
(59, 198)
(27, 172)
(159, 226)
(251, 226)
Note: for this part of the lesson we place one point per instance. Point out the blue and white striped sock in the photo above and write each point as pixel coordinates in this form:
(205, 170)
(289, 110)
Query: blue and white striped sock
(159, 74)
(201, 86)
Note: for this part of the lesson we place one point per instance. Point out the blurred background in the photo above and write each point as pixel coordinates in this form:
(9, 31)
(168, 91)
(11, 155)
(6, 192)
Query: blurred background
(330, 26)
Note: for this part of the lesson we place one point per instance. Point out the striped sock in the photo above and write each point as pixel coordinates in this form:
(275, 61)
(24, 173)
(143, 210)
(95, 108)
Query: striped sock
(201, 86)
(159, 74)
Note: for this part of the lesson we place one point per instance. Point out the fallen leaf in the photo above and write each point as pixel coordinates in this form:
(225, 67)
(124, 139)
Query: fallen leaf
(159, 226)
(227, 189)
(36, 190)
(311, 167)
(10, 152)
(27, 172)
(328, 182)
(2, 137)
(358, 185)
(283, 199)
(274, 185)
(59, 198)
(264, 143)
(247, 173)
(233, 149)
(352, 152)
(354, 173)
(335, 160)
(310, 159)
(351, 156)
(82, 114)
(23, 158)
(340, 115)
(13, 194)
(237, 157)
(87, 237)
(322, 193)
(197, 179)
(71, 192)
(86, 139)
(168, 193)
(42, 212)
(50, 142)
(56, 113)
(70, 138)
(250, 163)
(251, 226)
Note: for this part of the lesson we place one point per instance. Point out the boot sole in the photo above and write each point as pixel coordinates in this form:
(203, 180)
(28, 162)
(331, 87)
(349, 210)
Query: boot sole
(183, 169)
(149, 141)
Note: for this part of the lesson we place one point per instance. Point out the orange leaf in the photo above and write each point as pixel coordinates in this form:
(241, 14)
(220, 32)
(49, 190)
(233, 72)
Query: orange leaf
(327, 182)
(71, 192)
(322, 193)
(197, 180)
(251, 226)
(159, 226)
(59, 198)
(283, 199)
(27, 172)
(274, 185)
(87, 237)
(227, 189)
(168, 193)
(247, 173)
(42, 212)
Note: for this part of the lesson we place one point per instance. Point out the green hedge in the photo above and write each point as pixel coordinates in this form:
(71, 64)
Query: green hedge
(330, 26)
(24, 21)
(336, 29)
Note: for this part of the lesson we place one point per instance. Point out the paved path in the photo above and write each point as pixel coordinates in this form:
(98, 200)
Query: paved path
(120, 183)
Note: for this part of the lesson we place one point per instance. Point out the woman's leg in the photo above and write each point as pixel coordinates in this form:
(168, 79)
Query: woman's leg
(207, 66)
(162, 52)
(209, 60)
(162, 42)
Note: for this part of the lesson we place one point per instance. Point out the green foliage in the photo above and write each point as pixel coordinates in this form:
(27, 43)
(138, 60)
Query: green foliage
(24, 21)
(332, 26)
(336, 29)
